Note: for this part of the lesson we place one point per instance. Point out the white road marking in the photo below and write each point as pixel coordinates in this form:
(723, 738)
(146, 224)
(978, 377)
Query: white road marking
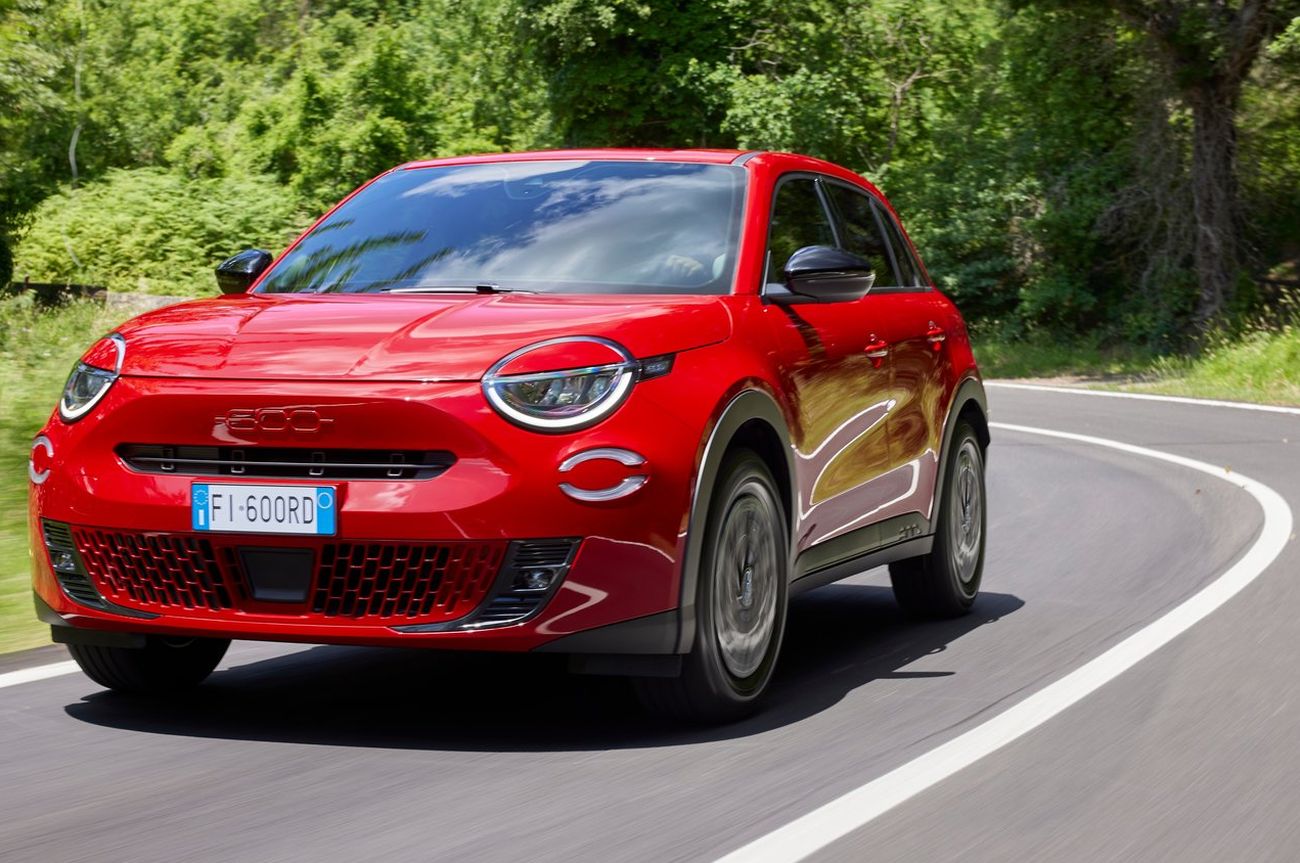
(819, 828)
(1151, 397)
(40, 672)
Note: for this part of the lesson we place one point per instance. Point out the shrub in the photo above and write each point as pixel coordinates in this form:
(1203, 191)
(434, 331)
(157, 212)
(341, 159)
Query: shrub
(155, 231)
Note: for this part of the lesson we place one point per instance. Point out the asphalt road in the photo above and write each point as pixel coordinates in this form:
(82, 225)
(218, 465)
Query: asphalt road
(330, 753)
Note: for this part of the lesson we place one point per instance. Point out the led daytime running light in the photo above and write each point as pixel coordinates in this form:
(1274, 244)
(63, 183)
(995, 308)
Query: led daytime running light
(610, 381)
(71, 411)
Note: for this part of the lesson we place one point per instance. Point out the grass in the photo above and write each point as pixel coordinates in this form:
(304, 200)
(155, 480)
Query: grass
(1043, 358)
(1260, 366)
(38, 347)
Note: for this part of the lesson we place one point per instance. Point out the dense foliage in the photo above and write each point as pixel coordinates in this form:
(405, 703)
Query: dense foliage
(1044, 152)
(154, 230)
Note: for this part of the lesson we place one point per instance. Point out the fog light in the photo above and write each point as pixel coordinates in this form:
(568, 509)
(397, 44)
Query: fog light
(63, 561)
(534, 579)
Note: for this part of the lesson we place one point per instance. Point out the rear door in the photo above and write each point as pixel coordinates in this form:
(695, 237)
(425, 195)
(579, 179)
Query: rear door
(911, 316)
(922, 364)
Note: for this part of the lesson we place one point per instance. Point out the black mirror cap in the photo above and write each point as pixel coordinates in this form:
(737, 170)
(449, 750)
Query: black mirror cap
(825, 274)
(237, 273)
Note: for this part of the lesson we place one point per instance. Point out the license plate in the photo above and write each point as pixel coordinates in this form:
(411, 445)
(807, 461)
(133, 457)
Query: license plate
(298, 509)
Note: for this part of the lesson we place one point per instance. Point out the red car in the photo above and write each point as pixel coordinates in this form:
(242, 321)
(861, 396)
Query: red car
(615, 404)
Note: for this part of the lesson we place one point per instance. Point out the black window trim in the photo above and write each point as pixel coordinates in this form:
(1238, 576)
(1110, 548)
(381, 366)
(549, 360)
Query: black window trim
(881, 211)
(828, 210)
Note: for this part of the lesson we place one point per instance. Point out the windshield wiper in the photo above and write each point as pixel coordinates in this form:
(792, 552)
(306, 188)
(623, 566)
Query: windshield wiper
(481, 288)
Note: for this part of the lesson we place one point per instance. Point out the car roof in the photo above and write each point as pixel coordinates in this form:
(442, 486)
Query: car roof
(716, 157)
(758, 160)
(761, 160)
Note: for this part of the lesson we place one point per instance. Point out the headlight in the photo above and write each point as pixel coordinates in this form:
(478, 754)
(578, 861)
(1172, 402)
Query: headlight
(88, 382)
(575, 396)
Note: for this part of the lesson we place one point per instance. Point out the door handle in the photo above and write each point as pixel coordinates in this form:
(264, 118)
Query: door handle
(935, 335)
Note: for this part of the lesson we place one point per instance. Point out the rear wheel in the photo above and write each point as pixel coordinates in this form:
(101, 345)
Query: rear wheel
(162, 665)
(945, 582)
(740, 602)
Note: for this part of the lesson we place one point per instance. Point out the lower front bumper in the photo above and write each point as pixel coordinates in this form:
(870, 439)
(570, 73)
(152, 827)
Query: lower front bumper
(357, 593)
(504, 487)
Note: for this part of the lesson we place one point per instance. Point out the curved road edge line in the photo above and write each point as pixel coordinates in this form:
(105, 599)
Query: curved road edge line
(836, 819)
(1151, 397)
(39, 672)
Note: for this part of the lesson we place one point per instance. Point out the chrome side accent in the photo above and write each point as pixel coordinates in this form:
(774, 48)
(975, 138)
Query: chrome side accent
(36, 476)
(623, 489)
(625, 457)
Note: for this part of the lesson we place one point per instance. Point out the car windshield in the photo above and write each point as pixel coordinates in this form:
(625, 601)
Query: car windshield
(545, 226)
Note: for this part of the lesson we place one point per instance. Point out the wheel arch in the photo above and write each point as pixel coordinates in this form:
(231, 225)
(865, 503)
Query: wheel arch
(751, 420)
(971, 405)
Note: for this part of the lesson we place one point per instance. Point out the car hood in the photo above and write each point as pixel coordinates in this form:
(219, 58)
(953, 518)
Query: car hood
(424, 338)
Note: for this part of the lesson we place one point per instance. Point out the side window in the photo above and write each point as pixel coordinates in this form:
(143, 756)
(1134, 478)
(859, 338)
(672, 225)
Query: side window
(798, 220)
(860, 231)
(909, 272)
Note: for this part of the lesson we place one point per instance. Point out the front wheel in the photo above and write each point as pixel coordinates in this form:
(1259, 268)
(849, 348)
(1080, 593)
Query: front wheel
(945, 582)
(740, 602)
(162, 665)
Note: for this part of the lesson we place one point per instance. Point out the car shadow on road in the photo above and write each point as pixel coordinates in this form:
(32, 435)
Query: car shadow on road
(839, 638)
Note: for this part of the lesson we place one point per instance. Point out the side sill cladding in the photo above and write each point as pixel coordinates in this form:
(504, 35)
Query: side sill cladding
(749, 405)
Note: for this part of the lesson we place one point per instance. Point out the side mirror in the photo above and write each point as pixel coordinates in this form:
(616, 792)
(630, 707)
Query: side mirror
(236, 274)
(824, 274)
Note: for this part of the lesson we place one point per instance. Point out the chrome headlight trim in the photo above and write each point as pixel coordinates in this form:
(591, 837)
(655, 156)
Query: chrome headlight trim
(624, 371)
(70, 412)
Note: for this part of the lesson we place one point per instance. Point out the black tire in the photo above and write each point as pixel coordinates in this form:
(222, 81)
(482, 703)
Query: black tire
(945, 582)
(724, 682)
(162, 665)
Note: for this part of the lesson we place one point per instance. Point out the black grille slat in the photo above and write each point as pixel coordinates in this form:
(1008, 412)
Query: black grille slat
(79, 588)
(58, 535)
(535, 553)
(286, 462)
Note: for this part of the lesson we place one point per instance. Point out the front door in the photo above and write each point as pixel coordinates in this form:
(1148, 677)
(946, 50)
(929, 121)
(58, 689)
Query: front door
(838, 371)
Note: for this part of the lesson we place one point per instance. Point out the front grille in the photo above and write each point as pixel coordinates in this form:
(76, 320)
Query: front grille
(286, 462)
(381, 582)
(153, 570)
(387, 581)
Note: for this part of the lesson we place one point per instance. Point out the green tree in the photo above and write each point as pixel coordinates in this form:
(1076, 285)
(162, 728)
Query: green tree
(633, 73)
(31, 151)
(1209, 48)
